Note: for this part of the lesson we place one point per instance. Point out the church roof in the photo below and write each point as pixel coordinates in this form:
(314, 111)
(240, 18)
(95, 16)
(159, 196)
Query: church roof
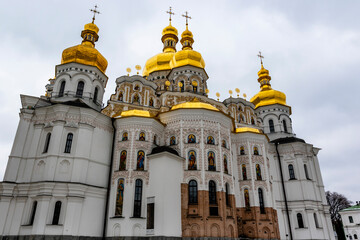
(160, 149)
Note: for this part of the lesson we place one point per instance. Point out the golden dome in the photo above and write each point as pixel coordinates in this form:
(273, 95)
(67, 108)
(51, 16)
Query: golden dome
(162, 60)
(187, 57)
(195, 104)
(135, 113)
(86, 53)
(267, 95)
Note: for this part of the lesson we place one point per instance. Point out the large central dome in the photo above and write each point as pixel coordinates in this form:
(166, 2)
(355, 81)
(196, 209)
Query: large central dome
(169, 58)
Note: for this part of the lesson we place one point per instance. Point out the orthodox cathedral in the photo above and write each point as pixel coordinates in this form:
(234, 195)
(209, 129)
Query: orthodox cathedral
(162, 159)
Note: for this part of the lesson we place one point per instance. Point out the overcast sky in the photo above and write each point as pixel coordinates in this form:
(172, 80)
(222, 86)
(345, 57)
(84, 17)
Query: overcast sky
(311, 48)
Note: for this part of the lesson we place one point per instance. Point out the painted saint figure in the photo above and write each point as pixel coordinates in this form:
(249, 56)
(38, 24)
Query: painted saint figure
(119, 197)
(136, 99)
(142, 136)
(192, 161)
(125, 136)
(247, 200)
(151, 102)
(225, 165)
(244, 172)
(172, 140)
(140, 161)
(258, 172)
(223, 144)
(242, 151)
(211, 161)
(191, 138)
(122, 161)
(256, 151)
(210, 140)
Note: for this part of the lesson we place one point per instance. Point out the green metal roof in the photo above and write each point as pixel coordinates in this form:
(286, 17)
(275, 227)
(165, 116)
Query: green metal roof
(352, 208)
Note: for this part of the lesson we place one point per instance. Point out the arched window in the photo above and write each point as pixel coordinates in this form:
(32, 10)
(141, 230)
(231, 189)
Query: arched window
(271, 126)
(210, 140)
(252, 121)
(300, 220)
(123, 160)
(355, 236)
(119, 197)
(62, 89)
(56, 215)
(223, 143)
(211, 161)
(140, 163)
(68, 143)
(193, 195)
(142, 136)
(47, 142)
(136, 99)
(244, 175)
(306, 172)
(242, 150)
(227, 194)
(155, 139)
(256, 151)
(151, 102)
(192, 160)
(284, 125)
(247, 199)
(138, 198)
(258, 172)
(121, 97)
(316, 221)
(225, 164)
(291, 171)
(261, 201)
(96, 92)
(212, 192)
(191, 138)
(125, 136)
(172, 140)
(33, 212)
(80, 89)
(182, 86)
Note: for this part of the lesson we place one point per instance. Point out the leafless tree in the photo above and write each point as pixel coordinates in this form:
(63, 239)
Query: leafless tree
(337, 203)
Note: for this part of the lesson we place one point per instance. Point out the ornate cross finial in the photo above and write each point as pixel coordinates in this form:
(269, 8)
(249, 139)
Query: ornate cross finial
(170, 13)
(95, 12)
(187, 17)
(261, 57)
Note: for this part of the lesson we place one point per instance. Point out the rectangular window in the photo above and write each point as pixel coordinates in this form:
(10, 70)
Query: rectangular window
(150, 216)
(351, 220)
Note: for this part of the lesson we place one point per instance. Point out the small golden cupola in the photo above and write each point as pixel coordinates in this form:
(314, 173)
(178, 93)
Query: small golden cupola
(161, 61)
(187, 56)
(267, 95)
(86, 53)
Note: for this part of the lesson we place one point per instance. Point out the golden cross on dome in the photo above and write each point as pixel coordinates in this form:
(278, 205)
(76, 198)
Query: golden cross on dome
(187, 17)
(261, 57)
(170, 13)
(95, 12)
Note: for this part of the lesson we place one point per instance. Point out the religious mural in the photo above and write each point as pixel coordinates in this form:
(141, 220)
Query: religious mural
(119, 197)
(211, 161)
(223, 144)
(125, 136)
(140, 161)
(243, 167)
(242, 151)
(247, 199)
(256, 151)
(210, 140)
(192, 160)
(172, 140)
(225, 165)
(191, 138)
(123, 161)
(142, 136)
(258, 172)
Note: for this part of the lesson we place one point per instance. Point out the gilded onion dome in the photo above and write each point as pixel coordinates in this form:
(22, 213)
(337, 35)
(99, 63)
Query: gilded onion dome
(267, 95)
(86, 53)
(187, 56)
(162, 60)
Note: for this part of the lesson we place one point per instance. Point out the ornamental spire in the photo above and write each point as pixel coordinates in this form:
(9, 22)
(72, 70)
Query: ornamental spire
(263, 74)
(170, 13)
(95, 12)
(187, 37)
